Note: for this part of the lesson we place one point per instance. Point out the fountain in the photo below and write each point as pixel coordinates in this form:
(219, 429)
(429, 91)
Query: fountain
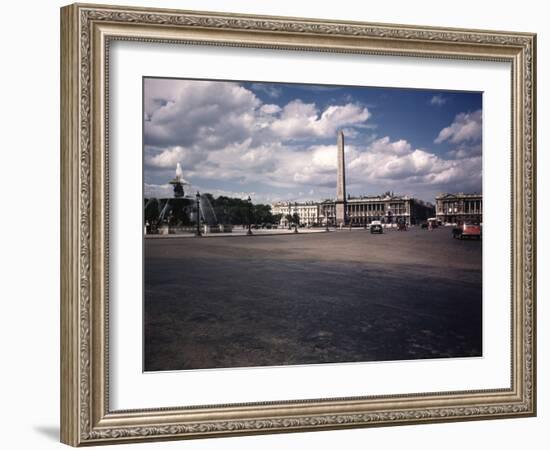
(207, 212)
(182, 213)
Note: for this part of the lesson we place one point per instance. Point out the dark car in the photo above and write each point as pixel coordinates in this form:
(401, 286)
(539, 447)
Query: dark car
(401, 226)
(376, 227)
(467, 231)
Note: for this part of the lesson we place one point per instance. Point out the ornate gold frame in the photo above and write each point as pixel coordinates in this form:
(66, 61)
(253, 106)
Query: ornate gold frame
(86, 31)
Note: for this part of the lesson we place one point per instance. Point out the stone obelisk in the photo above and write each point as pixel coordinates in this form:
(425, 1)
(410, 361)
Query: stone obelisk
(341, 183)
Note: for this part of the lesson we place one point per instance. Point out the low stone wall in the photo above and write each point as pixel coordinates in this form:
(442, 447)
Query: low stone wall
(207, 229)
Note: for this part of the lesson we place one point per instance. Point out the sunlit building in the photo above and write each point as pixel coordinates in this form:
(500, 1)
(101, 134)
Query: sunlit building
(308, 212)
(459, 208)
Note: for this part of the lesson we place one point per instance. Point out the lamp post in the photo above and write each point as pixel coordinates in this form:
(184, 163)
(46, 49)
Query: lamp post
(249, 232)
(198, 230)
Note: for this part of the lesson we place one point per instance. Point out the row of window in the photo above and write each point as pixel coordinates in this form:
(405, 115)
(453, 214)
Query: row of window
(395, 208)
(469, 206)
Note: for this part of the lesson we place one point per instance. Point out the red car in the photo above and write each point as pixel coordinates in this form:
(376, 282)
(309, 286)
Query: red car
(467, 230)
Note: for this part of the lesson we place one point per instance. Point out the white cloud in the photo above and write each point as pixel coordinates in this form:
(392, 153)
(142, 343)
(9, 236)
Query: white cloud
(324, 157)
(303, 120)
(183, 112)
(167, 158)
(466, 150)
(350, 133)
(270, 90)
(233, 194)
(221, 126)
(157, 190)
(438, 100)
(413, 164)
(466, 127)
(397, 162)
(384, 145)
(270, 109)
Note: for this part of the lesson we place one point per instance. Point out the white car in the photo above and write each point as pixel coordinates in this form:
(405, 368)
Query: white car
(376, 227)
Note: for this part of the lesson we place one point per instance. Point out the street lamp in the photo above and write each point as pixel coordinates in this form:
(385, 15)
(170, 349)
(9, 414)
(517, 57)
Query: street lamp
(249, 232)
(198, 230)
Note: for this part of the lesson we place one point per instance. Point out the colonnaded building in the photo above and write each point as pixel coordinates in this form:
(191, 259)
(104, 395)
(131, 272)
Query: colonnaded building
(459, 208)
(347, 210)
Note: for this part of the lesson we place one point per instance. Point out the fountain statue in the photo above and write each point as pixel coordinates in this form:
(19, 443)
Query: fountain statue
(178, 182)
(182, 213)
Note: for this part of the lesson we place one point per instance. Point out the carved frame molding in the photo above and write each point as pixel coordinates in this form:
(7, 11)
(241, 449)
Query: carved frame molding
(86, 31)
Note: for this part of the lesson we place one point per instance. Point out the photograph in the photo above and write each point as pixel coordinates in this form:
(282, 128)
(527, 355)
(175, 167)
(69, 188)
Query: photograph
(295, 224)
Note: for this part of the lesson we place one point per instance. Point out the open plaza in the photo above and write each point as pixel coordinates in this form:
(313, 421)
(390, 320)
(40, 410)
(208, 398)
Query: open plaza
(308, 298)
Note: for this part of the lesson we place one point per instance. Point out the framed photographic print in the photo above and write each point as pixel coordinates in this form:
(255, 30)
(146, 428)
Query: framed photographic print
(275, 224)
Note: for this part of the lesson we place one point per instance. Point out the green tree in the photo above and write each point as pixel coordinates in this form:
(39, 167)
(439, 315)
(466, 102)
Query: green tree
(289, 219)
(276, 218)
(231, 210)
(262, 213)
(293, 219)
(237, 211)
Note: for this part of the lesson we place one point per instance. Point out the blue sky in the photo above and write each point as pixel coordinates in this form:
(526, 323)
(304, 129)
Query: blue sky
(277, 141)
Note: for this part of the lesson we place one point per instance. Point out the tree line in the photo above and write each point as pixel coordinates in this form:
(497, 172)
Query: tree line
(228, 211)
(236, 211)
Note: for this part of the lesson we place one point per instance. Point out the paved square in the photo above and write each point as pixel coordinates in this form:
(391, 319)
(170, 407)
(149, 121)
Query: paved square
(343, 296)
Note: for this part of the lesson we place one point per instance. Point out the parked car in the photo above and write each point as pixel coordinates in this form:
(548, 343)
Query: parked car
(376, 227)
(424, 225)
(467, 230)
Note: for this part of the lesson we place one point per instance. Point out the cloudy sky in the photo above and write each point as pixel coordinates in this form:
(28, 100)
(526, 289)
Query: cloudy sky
(277, 141)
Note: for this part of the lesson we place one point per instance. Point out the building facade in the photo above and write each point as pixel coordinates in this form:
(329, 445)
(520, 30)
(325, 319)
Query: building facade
(459, 208)
(388, 209)
(358, 211)
(308, 212)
